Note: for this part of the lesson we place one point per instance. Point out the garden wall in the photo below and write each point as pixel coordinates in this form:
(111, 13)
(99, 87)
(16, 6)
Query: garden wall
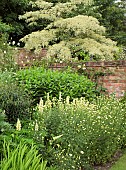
(109, 74)
(26, 58)
(114, 76)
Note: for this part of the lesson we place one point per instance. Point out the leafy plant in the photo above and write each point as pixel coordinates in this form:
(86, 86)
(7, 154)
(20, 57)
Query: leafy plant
(4, 125)
(123, 99)
(112, 16)
(4, 28)
(80, 134)
(22, 157)
(9, 15)
(38, 82)
(14, 101)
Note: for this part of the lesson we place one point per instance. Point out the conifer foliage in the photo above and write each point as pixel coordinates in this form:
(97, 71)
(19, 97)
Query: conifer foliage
(65, 34)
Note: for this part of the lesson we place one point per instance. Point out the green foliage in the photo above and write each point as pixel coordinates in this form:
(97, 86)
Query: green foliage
(67, 28)
(4, 126)
(9, 11)
(79, 134)
(38, 82)
(4, 28)
(14, 101)
(6, 77)
(112, 16)
(21, 157)
(7, 55)
(123, 99)
(19, 141)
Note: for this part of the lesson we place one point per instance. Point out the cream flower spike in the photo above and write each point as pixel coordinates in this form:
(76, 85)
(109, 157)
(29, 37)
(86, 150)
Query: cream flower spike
(18, 125)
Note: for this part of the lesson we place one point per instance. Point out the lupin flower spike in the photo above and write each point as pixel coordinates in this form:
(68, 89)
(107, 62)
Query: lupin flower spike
(18, 125)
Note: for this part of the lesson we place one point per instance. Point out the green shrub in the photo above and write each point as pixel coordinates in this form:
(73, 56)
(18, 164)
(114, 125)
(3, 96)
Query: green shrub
(4, 126)
(22, 158)
(38, 82)
(17, 140)
(14, 101)
(6, 77)
(123, 99)
(79, 133)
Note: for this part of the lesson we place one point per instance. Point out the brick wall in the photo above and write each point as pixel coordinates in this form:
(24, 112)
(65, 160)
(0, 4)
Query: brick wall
(114, 76)
(26, 58)
(110, 74)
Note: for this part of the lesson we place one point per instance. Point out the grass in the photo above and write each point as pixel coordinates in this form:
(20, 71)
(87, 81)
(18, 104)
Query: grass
(120, 164)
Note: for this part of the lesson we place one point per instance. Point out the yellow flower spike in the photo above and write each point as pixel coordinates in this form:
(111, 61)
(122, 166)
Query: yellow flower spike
(36, 126)
(74, 101)
(47, 96)
(67, 99)
(60, 97)
(48, 103)
(57, 137)
(18, 125)
(54, 101)
(40, 106)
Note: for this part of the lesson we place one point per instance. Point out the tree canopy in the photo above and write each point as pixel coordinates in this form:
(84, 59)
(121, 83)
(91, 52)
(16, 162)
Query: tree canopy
(110, 13)
(67, 32)
(113, 17)
(9, 22)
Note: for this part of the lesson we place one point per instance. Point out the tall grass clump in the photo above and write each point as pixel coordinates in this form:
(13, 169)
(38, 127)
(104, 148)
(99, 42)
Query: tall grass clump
(79, 134)
(21, 157)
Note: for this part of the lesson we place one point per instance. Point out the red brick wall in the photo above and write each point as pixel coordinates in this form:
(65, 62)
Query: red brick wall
(110, 74)
(26, 58)
(114, 76)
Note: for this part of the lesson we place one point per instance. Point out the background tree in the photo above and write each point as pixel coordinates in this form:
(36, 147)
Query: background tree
(112, 16)
(9, 11)
(5, 28)
(65, 36)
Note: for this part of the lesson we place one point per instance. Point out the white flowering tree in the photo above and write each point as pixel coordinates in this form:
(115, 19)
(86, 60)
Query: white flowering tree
(67, 33)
